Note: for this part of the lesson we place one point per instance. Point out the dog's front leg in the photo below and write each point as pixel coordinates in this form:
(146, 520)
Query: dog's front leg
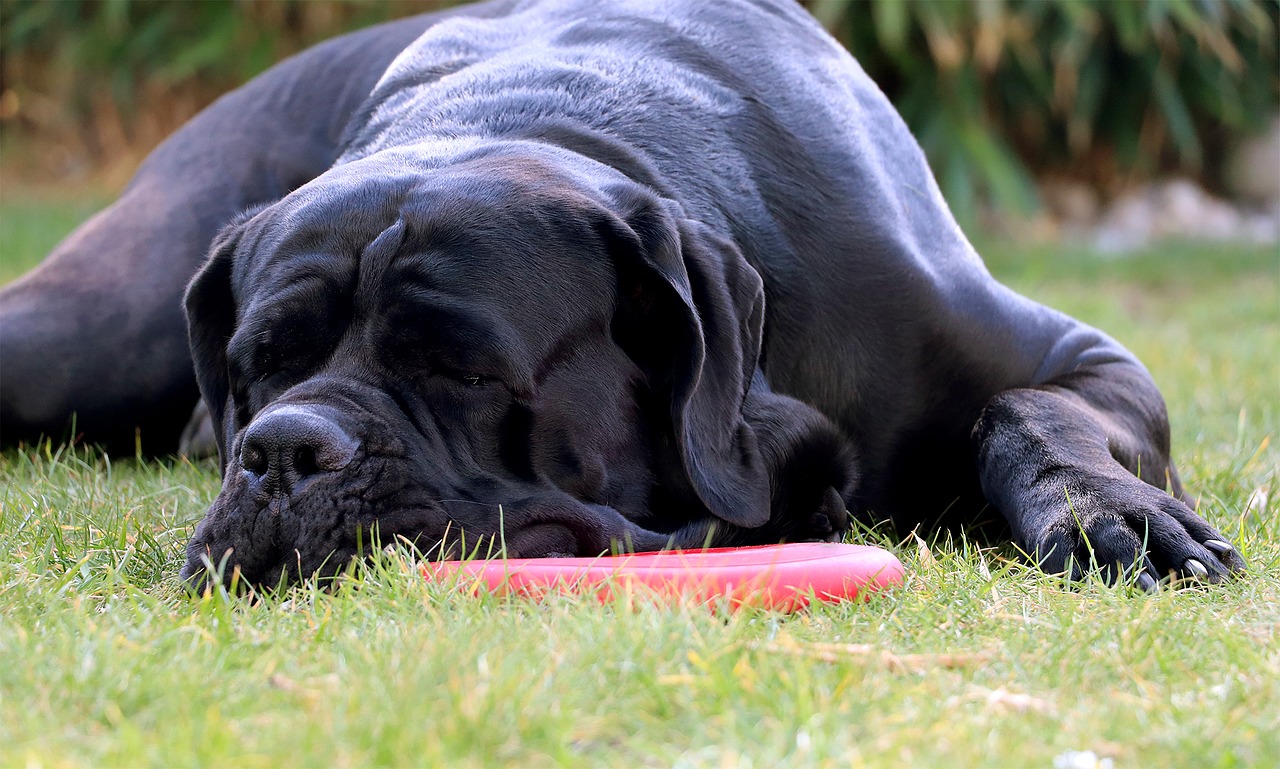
(1079, 465)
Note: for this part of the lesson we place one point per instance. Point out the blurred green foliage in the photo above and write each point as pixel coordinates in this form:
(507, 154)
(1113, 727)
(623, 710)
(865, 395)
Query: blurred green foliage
(67, 67)
(118, 43)
(1100, 89)
(996, 90)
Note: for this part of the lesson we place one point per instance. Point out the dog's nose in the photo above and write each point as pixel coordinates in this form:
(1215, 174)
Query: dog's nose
(290, 443)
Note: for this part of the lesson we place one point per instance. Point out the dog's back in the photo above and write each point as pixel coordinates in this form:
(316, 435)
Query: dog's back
(751, 117)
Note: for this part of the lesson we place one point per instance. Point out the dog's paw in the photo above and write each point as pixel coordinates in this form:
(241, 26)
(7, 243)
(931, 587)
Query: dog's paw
(198, 438)
(1125, 528)
(826, 523)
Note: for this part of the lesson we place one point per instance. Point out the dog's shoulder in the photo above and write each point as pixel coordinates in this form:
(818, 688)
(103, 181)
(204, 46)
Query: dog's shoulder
(659, 73)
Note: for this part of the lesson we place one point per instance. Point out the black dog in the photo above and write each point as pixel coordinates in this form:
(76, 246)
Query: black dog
(580, 275)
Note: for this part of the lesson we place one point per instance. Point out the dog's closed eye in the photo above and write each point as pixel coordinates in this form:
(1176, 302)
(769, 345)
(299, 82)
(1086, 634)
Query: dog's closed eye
(467, 378)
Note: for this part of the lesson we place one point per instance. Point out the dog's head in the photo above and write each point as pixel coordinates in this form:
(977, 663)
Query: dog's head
(498, 353)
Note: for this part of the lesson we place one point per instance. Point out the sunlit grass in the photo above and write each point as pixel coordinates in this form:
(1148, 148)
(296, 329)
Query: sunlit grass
(107, 663)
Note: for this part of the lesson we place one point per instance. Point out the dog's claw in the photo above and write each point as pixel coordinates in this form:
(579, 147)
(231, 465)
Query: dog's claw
(1196, 568)
(1147, 583)
(1218, 546)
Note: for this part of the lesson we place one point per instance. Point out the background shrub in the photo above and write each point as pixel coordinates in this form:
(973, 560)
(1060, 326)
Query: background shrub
(1104, 90)
(997, 91)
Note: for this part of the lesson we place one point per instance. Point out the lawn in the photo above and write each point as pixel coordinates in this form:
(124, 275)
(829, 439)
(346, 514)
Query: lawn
(975, 661)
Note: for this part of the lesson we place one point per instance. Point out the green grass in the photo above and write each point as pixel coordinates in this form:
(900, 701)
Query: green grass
(32, 223)
(106, 663)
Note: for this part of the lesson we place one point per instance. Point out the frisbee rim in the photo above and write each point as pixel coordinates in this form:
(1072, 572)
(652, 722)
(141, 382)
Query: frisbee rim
(780, 577)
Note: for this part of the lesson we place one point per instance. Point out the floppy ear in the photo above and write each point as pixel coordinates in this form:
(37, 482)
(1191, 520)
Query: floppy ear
(211, 319)
(699, 339)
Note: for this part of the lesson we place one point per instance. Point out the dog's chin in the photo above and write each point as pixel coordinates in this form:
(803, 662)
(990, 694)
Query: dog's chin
(248, 540)
(264, 570)
(280, 568)
(247, 547)
(291, 570)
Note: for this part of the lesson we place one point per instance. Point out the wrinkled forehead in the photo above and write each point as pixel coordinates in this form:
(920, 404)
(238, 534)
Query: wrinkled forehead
(520, 251)
(529, 254)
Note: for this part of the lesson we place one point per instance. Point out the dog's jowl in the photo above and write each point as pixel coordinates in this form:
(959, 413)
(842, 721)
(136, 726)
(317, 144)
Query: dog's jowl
(581, 275)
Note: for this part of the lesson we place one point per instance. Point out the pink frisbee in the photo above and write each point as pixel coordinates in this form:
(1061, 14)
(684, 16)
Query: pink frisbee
(778, 577)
